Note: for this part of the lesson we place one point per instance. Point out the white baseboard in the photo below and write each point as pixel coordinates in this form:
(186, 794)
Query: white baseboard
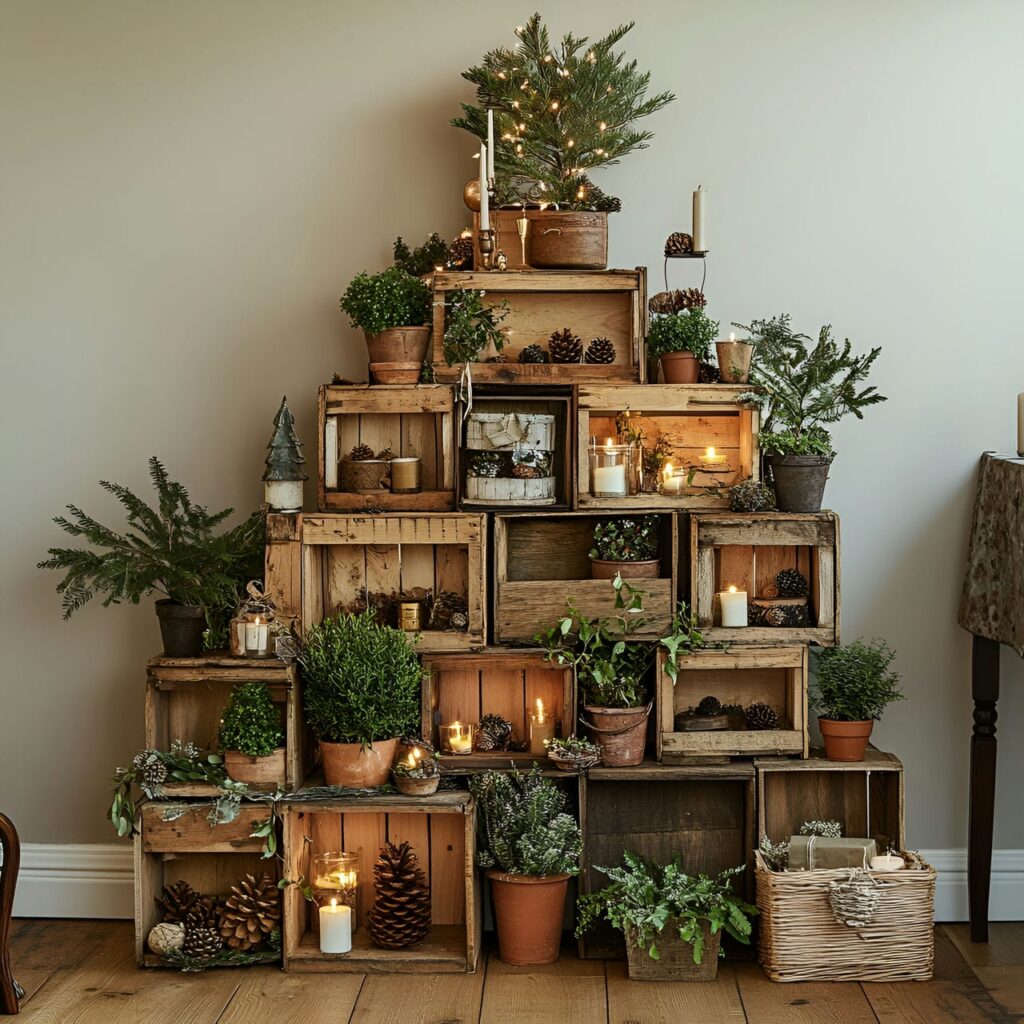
(96, 882)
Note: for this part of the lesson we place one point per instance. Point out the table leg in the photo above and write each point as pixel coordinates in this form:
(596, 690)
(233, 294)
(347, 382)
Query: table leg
(985, 691)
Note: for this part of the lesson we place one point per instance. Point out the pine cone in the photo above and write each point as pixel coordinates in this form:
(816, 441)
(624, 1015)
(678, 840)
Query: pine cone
(565, 347)
(791, 583)
(385, 454)
(201, 943)
(401, 909)
(709, 374)
(499, 358)
(493, 733)
(709, 706)
(776, 616)
(204, 913)
(533, 354)
(154, 772)
(486, 464)
(600, 351)
(360, 452)
(460, 253)
(177, 900)
(693, 298)
(666, 302)
(250, 913)
(750, 496)
(678, 244)
(523, 472)
(761, 716)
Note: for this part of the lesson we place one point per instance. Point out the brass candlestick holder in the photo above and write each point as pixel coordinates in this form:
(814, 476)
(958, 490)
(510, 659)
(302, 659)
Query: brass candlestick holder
(522, 226)
(485, 241)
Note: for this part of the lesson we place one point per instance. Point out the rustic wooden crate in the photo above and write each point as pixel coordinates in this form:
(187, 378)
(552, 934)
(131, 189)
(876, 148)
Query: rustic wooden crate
(506, 235)
(694, 417)
(604, 303)
(441, 829)
(776, 676)
(464, 687)
(411, 420)
(746, 551)
(541, 561)
(866, 797)
(703, 813)
(186, 697)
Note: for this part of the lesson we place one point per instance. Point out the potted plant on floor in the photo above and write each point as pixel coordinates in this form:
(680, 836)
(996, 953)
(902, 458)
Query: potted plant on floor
(801, 388)
(393, 309)
(361, 693)
(682, 341)
(853, 687)
(173, 550)
(529, 846)
(628, 546)
(672, 922)
(251, 740)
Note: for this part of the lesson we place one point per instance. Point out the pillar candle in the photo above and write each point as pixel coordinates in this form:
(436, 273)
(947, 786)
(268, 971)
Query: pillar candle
(734, 607)
(485, 216)
(610, 480)
(405, 475)
(257, 638)
(490, 144)
(335, 928)
(700, 220)
(542, 727)
(887, 862)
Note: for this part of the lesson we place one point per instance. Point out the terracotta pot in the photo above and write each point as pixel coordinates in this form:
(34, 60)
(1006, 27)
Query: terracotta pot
(349, 764)
(799, 481)
(605, 569)
(734, 361)
(680, 368)
(260, 770)
(528, 912)
(845, 741)
(569, 240)
(405, 372)
(621, 733)
(416, 787)
(398, 345)
(181, 628)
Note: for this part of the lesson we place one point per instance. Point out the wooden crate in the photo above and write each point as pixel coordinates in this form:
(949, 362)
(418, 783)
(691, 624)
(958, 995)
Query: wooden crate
(703, 813)
(776, 676)
(602, 303)
(464, 687)
(747, 550)
(506, 235)
(441, 829)
(693, 417)
(186, 697)
(542, 560)
(211, 858)
(410, 420)
(866, 797)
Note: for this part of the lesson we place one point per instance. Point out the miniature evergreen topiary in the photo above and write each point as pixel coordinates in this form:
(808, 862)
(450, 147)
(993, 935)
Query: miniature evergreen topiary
(251, 722)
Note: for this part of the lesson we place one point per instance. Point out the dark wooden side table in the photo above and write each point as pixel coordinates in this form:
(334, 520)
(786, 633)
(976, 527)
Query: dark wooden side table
(992, 611)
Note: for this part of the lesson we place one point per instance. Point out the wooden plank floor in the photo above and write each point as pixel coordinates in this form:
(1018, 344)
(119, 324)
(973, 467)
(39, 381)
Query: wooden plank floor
(78, 972)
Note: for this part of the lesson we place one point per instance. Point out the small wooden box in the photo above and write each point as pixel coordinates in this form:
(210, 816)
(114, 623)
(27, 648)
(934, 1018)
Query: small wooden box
(464, 687)
(747, 551)
(776, 676)
(416, 420)
(442, 831)
(692, 417)
(541, 561)
(608, 304)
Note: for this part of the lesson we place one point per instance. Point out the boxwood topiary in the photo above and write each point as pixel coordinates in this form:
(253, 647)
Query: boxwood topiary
(251, 722)
(393, 298)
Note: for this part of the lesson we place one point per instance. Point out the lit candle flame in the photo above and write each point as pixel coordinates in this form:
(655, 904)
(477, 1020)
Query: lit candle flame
(540, 710)
(732, 335)
(666, 473)
(609, 442)
(334, 903)
(732, 590)
(710, 453)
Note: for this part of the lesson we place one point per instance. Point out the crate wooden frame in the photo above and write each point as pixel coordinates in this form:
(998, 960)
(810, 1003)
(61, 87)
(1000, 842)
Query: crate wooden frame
(740, 675)
(442, 830)
(606, 303)
(814, 540)
(498, 681)
(524, 607)
(381, 415)
(715, 414)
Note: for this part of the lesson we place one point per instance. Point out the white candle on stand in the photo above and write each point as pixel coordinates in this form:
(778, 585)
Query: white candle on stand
(700, 220)
(490, 144)
(335, 928)
(1020, 423)
(734, 607)
(485, 217)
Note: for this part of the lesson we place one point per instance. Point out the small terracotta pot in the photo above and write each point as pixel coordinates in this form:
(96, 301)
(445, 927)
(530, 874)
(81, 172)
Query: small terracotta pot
(398, 345)
(845, 741)
(528, 912)
(734, 361)
(621, 733)
(680, 368)
(416, 787)
(349, 764)
(605, 569)
(260, 770)
(403, 372)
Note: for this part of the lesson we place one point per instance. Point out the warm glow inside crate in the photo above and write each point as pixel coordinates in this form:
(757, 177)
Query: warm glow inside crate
(541, 561)
(866, 797)
(608, 304)
(776, 676)
(415, 420)
(747, 551)
(186, 698)
(465, 687)
(440, 828)
(702, 813)
(688, 419)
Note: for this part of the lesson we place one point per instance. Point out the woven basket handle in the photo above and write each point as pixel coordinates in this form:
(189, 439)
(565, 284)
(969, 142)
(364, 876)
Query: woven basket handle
(551, 231)
(615, 732)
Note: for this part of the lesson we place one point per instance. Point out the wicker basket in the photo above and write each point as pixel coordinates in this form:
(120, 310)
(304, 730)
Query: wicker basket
(675, 956)
(800, 940)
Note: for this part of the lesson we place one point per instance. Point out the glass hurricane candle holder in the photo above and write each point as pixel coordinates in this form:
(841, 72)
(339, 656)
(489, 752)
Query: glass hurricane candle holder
(610, 469)
(457, 737)
(256, 619)
(336, 877)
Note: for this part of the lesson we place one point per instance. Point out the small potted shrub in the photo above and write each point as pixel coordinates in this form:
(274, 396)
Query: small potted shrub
(853, 687)
(672, 922)
(682, 341)
(392, 308)
(251, 740)
(628, 545)
(361, 692)
(529, 846)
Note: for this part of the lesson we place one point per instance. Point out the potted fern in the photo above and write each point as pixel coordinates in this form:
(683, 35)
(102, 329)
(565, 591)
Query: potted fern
(681, 341)
(628, 546)
(251, 740)
(529, 846)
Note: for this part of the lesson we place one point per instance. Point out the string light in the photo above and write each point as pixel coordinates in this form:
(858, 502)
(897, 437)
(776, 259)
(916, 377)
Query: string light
(554, 104)
(571, 143)
(501, 75)
(599, 152)
(547, 58)
(515, 104)
(522, 127)
(602, 126)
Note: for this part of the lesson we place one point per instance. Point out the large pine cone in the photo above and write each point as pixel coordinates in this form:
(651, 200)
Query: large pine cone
(600, 351)
(791, 583)
(493, 733)
(677, 300)
(761, 716)
(709, 706)
(460, 253)
(202, 943)
(533, 354)
(565, 347)
(250, 913)
(401, 909)
(709, 374)
(678, 244)
(204, 913)
(177, 900)
(360, 452)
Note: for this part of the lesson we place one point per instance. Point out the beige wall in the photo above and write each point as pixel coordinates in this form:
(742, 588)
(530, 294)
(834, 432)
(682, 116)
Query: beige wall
(185, 189)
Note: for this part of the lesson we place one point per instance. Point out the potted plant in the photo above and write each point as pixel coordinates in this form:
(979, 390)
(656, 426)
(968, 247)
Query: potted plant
(853, 687)
(628, 546)
(418, 773)
(251, 741)
(529, 846)
(392, 308)
(672, 922)
(682, 341)
(173, 550)
(361, 692)
(421, 260)
(472, 330)
(734, 358)
(801, 388)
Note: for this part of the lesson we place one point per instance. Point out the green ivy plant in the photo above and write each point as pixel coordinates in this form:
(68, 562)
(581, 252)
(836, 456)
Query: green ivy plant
(251, 722)
(630, 539)
(392, 298)
(423, 259)
(690, 330)
(470, 326)
(853, 683)
(685, 638)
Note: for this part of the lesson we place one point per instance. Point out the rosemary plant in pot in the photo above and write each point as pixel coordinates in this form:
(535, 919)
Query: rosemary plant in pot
(361, 693)
(529, 846)
(251, 740)
(682, 341)
(628, 546)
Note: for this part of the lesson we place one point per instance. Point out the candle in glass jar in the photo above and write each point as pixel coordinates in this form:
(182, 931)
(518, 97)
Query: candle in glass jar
(542, 728)
(712, 458)
(609, 469)
(335, 928)
(257, 639)
(671, 481)
(405, 475)
(734, 607)
(457, 738)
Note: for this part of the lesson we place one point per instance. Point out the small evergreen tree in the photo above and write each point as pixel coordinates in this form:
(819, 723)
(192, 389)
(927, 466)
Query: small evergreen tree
(251, 722)
(285, 458)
